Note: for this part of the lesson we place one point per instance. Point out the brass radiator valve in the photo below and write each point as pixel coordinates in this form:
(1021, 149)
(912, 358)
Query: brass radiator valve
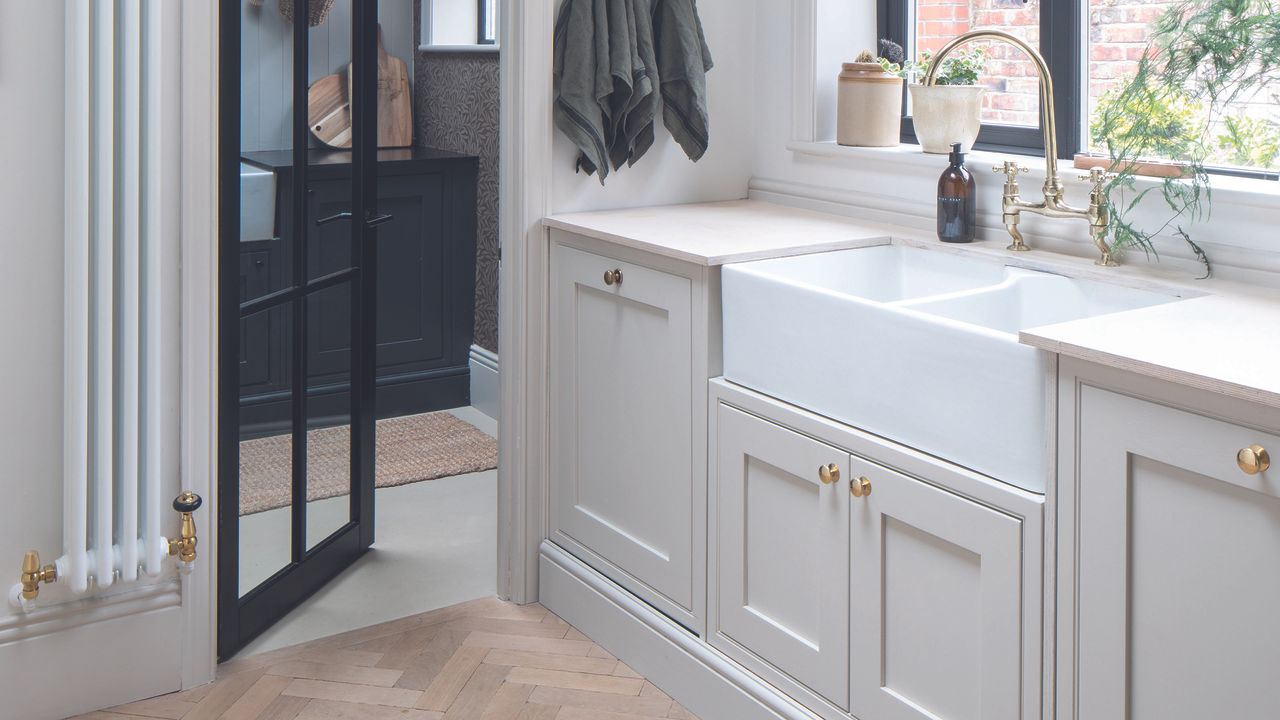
(33, 575)
(184, 548)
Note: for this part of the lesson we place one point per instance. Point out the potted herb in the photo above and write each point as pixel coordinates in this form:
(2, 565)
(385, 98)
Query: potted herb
(869, 101)
(950, 110)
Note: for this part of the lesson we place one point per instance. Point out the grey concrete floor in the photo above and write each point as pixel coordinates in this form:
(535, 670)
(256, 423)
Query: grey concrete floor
(435, 546)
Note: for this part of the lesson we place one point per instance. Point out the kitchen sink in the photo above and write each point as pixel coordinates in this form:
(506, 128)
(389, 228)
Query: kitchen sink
(918, 346)
(257, 203)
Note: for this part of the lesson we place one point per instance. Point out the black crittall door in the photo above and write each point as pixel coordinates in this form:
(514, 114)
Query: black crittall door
(296, 495)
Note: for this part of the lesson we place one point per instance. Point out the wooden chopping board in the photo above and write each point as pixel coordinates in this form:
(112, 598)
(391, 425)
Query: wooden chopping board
(329, 111)
(329, 105)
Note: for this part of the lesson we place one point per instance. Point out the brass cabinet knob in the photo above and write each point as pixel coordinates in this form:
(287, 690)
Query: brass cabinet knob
(829, 474)
(613, 277)
(860, 486)
(1253, 459)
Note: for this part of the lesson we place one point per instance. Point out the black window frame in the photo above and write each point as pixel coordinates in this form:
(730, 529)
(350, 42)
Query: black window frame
(1062, 27)
(483, 10)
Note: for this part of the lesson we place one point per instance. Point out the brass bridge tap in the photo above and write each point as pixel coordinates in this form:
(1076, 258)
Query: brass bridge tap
(1052, 205)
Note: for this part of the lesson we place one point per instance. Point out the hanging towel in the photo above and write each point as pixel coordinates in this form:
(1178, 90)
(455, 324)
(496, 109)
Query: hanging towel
(683, 62)
(635, 127)
(615, 62)
(583, 81)
(606, 86)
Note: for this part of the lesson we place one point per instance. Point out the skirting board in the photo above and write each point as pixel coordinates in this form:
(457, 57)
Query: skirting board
(699, 677)
(484, 381)
(99, 664)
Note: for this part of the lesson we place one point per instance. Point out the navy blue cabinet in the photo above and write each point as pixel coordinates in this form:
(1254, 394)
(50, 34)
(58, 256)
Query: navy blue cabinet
(426, 288)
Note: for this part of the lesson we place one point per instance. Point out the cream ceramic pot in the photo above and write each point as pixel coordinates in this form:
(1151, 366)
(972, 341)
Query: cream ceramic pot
(869, 106)
(945, 114)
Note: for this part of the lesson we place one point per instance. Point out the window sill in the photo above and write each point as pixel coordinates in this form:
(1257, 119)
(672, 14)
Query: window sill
(477, 48)
(1233, 190)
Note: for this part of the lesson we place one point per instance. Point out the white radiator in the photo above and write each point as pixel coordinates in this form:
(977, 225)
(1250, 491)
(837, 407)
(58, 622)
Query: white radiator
(119, 244)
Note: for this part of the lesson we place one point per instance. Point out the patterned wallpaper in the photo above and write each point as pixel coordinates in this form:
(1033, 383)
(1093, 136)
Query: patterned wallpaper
(456, 108)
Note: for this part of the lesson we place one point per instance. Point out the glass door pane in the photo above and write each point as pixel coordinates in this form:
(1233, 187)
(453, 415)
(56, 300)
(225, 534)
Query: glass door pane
(266, 447)
(329, 412)
(266, 248)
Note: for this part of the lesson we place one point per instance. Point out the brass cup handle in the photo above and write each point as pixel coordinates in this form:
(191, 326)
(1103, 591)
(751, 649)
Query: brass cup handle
(829, 474)
(860, 487)
(1253, 459)
(612, 277)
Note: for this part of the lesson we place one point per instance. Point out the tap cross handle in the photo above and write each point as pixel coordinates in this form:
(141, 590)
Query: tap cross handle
(1010, 168)
(1098, 177)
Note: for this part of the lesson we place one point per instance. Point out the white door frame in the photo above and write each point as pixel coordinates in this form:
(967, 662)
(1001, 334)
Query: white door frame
(524, 192)
(199, 328)
(525, 198)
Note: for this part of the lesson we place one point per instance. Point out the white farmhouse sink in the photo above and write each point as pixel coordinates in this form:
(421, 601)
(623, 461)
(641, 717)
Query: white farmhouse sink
(257, 203)
(914, 345)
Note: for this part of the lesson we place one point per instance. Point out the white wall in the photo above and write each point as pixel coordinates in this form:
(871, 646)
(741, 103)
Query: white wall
(1238, 236)
(31, 193)
(665, 175)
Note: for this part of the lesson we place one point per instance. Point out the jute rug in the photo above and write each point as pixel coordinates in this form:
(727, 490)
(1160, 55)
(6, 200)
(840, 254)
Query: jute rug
(411, 449)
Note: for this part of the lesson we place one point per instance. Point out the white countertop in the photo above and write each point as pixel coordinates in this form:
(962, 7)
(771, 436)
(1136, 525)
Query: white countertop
(1228, 344)
(1224, 338)
(723, 232)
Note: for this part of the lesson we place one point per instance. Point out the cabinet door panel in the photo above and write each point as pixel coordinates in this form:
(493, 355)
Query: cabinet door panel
(783, 551)
(416, 271)
(1178, 573)
(622, 419)
(936, 603)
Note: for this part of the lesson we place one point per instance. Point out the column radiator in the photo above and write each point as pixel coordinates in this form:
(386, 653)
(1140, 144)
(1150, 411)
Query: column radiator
(120, 245)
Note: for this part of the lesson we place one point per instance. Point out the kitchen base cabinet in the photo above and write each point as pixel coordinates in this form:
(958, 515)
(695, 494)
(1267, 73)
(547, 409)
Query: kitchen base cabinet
(862, 577)
(937, 599)
(425, 295)
(783, 538)
(629, 366)
(1169, 553)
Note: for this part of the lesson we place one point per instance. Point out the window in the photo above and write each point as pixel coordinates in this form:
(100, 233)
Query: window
(457, 24)
(1091, 47)
(1240, 136)
(488, 22)
(1011, 109)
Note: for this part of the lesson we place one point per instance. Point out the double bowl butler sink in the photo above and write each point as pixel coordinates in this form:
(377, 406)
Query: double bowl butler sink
(917, 346)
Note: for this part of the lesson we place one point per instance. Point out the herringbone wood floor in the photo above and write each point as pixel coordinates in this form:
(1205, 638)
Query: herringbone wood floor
(481, 660)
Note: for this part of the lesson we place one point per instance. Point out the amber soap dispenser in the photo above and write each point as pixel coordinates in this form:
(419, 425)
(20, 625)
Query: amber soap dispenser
(957, 207)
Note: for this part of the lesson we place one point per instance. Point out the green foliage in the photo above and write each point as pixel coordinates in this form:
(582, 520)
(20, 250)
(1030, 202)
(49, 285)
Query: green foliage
(961, 67)
(894, 68)
(1206, 54)
(1250, 142)
(1166, 117)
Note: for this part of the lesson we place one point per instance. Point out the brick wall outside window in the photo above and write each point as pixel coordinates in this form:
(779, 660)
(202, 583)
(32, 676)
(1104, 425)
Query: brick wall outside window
(1118, 35)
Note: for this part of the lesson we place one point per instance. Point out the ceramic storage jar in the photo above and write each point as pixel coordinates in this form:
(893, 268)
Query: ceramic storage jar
(869, 106)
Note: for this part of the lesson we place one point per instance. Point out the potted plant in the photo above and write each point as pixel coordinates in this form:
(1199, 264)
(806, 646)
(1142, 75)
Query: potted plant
(869, 101)
(950, 110)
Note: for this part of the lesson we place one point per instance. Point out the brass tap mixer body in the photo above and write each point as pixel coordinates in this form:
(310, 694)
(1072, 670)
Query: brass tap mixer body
(1012, 204)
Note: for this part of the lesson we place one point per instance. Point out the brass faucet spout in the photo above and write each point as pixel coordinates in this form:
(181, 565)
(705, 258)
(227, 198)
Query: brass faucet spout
(1048, 121)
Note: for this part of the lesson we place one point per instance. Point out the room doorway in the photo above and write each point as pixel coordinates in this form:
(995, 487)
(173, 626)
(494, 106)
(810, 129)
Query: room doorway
(346, 335)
